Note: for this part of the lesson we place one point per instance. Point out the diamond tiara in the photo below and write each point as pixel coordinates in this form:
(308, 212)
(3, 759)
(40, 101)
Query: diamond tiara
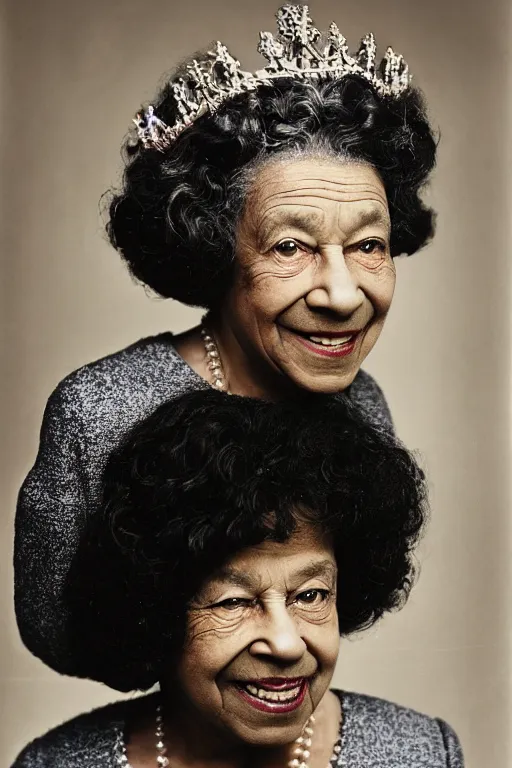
(296, 52)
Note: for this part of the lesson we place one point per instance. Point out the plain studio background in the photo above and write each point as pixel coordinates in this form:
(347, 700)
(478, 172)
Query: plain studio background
(73, 75)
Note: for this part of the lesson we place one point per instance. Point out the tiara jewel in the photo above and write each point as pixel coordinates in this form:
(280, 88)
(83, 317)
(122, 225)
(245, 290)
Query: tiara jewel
(298, 51)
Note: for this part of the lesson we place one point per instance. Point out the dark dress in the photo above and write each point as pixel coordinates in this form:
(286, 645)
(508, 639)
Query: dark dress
(85, 418)
(374, 734)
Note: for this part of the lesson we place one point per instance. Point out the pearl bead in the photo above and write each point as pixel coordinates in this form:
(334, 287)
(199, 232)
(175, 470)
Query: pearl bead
(305, 755)
(308, 730)
(214, 362)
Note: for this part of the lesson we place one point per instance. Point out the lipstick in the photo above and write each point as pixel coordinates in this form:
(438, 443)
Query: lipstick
(339, 344)
(274, 695)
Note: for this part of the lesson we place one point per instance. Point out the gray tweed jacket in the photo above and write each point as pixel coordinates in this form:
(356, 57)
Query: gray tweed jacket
(374, 734)
(85, 418)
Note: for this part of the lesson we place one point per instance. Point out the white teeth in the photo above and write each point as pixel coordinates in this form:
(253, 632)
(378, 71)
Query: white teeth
(330, 342)
(261, 693)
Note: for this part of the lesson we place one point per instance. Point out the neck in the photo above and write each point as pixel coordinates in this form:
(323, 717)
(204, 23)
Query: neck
(193, 741)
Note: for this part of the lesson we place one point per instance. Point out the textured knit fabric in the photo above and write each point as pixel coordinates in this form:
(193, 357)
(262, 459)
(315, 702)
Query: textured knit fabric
(374, 734)
(85, 419)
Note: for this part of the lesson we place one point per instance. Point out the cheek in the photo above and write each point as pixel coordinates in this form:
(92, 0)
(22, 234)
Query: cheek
(378, 284)
(323, 639)
(331, 644)
(269, 285)
(211, 644)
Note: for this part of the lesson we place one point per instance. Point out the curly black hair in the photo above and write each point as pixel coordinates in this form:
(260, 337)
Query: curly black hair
(208, 475)
(174, 221)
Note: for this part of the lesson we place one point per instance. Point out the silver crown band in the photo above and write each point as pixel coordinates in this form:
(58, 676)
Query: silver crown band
(294, 53)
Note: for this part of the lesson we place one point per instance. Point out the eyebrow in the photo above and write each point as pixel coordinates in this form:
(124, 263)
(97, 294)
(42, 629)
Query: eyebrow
(296, 218)
(236, 578)
(375, 216)
(311, 571)
(312, 221)
(245, 581)
(290, 219)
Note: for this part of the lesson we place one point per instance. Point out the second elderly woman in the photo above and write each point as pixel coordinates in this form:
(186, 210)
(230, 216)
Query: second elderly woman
(277, 201)
(238, 540)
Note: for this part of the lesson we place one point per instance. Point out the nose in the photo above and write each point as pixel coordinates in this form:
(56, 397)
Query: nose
(279, 636)
(335, 287)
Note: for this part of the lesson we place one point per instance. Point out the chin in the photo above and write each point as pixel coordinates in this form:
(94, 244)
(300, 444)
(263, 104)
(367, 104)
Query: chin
(328, 384)
(272, 736)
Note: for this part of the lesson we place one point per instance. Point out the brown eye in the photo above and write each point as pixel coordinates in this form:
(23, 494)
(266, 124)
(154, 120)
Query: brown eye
(369, 247)
(233, 603)
(287, 248)
(313, 596)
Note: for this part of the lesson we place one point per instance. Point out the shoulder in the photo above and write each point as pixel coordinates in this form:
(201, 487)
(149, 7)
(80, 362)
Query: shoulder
(82, 742)
(141, 357)
(396, 735)
(367, 395)
(133, 376)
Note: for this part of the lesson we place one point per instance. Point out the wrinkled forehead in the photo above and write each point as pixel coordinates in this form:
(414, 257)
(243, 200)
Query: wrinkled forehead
(307, 554)
(312, 190)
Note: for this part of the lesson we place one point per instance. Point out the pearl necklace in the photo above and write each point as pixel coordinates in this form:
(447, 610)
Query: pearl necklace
(162, 760)
(214, 362)
(302, 751)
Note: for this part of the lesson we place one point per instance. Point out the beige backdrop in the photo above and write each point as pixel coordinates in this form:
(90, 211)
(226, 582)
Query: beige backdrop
(72, 76)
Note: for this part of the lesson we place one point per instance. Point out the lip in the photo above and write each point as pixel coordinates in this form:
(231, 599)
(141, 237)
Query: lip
(318, 349)
(275, 707)
(328, 334)
(276, 683)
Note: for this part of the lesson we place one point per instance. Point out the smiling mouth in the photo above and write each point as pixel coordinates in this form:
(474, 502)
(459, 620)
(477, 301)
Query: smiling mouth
(274, 695)
(328, 344)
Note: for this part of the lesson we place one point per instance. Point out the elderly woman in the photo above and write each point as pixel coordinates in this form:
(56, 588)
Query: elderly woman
(240, 539)
(277, 201)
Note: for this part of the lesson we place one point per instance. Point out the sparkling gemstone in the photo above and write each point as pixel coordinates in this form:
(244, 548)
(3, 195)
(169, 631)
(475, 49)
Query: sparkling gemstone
(160, 745)
(213, 353)
(162, 761)
(219, 383)
(309, 731)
